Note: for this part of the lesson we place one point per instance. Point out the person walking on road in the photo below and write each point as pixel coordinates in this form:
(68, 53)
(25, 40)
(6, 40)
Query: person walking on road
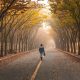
(42, 51)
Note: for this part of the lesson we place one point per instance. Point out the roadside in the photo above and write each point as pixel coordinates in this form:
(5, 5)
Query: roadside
(72, 54)
(11, 57)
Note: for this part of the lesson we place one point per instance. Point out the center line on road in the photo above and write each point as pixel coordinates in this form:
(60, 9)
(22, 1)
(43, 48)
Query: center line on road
(36, 70)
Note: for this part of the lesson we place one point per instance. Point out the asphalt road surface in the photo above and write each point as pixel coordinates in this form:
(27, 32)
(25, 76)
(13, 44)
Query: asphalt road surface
(55, 66)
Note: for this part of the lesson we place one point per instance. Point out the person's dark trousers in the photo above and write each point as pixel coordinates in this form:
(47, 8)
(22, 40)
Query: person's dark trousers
(44, 54)
(41, 58)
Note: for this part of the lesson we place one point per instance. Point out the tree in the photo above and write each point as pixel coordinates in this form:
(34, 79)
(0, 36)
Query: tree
(68, 12)
(18, 30)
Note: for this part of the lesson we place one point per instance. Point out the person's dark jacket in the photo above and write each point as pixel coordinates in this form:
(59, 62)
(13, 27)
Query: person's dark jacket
(41, 50)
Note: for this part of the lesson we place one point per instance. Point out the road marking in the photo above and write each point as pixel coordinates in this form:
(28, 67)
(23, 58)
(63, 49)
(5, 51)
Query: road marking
(36, 70)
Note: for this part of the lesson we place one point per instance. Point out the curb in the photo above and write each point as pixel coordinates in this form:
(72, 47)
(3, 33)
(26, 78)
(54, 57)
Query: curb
(5, 60)
(71, 54)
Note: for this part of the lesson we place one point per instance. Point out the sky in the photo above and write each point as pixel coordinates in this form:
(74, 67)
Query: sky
(41, 1)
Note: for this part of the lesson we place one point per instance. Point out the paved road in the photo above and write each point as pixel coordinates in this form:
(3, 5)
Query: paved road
(20, 69)
(55, 66)
(58, 66)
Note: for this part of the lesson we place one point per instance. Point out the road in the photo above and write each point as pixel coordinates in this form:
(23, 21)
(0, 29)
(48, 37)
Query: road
(55, 66)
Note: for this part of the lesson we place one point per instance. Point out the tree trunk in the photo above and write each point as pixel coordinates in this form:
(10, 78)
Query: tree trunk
(6, 47)
(79, 43)
(1, 39)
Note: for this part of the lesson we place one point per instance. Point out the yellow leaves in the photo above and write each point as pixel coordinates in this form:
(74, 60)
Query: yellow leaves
(67, 21)
(68, 12)
(23, 19)
(35, 17)
(65, 18)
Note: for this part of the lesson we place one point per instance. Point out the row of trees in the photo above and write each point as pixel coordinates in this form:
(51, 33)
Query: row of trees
(68, 28)
(17, 31)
